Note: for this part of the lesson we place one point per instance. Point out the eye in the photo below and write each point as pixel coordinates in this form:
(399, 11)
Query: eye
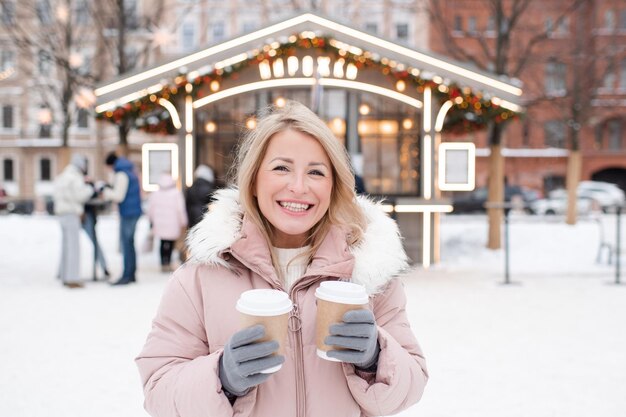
(317, 172)
(280, 168)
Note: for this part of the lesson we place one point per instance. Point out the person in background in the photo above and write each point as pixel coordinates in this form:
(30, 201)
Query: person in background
(70, 194)
(197, 199)
(357, 167)
(292, 222)
(168, 217)
(127, 194)
(200, 194)
(359, 185)
(89, 220)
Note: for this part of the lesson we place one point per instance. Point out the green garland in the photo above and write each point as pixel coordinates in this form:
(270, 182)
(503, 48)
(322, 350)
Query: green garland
(470, 111)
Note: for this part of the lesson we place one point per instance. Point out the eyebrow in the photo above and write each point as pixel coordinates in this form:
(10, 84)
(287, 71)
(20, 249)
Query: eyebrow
(289, 160)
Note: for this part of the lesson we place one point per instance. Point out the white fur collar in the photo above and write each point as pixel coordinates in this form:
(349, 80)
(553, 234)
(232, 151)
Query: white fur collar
(378, 257)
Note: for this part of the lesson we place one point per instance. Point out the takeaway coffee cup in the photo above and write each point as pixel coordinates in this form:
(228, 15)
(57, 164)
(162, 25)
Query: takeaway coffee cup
(271, 309)
(334, 299)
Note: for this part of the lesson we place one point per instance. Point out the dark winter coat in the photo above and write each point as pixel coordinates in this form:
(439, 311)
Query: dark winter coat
(197, 197)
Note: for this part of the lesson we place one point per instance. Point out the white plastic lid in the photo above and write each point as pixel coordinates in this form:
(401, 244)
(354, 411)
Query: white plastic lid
(342, 292)
(264, 302)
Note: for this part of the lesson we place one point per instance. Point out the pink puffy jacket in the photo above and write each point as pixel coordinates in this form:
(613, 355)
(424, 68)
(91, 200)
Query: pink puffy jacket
(180, 360)
(166, 210)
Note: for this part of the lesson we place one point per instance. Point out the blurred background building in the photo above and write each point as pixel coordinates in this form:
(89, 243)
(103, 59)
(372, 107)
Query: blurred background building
(52, 54)
(570, 54)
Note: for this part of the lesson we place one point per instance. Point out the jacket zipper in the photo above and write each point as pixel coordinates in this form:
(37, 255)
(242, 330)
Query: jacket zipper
(295, 329)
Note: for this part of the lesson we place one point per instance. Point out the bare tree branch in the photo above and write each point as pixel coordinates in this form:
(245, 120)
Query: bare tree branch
(543, 36)
(437, 17)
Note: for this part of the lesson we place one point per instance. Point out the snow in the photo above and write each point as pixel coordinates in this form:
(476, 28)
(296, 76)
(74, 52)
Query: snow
(551, 344)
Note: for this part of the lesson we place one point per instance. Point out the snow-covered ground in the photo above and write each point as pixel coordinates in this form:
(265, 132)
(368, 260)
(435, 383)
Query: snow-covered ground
(553, 344)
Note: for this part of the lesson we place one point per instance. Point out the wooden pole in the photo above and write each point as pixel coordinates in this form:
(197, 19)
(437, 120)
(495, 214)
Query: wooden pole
(496, 189)
(574, 166)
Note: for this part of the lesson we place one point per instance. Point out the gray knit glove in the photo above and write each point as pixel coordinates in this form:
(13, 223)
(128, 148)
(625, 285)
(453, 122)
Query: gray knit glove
(243, 359)
(359, 335)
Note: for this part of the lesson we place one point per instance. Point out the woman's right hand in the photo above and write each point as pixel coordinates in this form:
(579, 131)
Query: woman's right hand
(244, 358)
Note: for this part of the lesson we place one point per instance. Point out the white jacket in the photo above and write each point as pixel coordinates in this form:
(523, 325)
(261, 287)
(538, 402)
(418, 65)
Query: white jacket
(71, 192)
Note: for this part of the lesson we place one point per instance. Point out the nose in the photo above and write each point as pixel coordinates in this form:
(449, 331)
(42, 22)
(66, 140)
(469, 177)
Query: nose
(297, 184)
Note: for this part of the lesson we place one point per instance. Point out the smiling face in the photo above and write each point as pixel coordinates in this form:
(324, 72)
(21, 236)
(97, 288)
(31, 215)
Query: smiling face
(293, 186)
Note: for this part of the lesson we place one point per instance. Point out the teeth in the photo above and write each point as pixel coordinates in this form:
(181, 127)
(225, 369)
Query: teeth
(294, 206)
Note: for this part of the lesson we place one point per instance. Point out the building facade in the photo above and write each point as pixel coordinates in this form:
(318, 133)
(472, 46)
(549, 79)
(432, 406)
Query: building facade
(572, 61)
(32, 76)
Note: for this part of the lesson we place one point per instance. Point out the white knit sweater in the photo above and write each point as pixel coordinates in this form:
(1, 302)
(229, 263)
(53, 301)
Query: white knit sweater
(294, 271)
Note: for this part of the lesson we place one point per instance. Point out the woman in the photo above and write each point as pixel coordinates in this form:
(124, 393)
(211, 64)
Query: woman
(168, 217)
(293, 222)
(70, 194)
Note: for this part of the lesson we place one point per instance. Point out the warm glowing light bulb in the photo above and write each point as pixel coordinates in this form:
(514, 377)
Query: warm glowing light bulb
(210, 127)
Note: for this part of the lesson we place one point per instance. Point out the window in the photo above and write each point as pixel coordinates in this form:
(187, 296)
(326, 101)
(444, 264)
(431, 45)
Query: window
(45, 122)
(608, 81)
(44, 62)
(8, 12)
(614, 128)
(45, 172)
(218, 31)
(548, 25)
(189, 36)
(44, 12)
(45, 131)
(8, 170)
(7, 60)
(83, 61)
(82, 119)
(622, 74)
(249, 26)
(609, 19)
(554, 133)
(563, 26)
(458, 23)
(130, 10)
(7, 116)
(622, 19)
(491, 24)
(402, 32)
(82, 13)
(132, 57)
(471, 24)
(554, 82)
(371, 27)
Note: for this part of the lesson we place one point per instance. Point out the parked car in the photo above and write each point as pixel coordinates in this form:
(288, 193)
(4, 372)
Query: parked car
(17, 206)
(557, 204)
(474, 201)
(606, 194)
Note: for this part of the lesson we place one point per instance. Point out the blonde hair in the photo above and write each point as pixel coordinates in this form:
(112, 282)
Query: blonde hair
(343, 211)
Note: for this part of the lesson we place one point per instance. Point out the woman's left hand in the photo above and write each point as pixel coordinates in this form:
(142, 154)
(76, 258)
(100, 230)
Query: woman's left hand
(358, 335)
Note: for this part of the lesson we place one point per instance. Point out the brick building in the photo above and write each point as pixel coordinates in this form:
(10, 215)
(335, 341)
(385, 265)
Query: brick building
(574, 79)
